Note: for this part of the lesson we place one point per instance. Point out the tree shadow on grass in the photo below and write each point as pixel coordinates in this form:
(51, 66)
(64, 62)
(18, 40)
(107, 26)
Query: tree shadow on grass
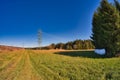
(86, 54)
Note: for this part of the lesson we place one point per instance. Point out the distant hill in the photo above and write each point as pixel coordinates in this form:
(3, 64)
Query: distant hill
(9, 48)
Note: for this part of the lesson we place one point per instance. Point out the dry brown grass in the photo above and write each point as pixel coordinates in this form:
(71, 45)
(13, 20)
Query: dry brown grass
(59, 50)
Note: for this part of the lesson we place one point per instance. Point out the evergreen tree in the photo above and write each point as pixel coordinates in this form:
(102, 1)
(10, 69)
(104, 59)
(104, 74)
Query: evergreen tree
(117, 34)
(117, 4)
(105, 28)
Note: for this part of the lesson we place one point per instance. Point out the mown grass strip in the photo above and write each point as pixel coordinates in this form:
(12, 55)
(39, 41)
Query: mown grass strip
(46, 73)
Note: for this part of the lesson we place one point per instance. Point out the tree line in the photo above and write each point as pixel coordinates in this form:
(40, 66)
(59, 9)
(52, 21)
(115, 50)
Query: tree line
(73, 45)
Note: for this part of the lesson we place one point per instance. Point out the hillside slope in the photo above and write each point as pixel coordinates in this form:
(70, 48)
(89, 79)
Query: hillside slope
(9, 48)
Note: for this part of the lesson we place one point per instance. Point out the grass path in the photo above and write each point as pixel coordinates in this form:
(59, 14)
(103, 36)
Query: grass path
(27, 72)
(45, 72)
(9, 68)
(19, 68)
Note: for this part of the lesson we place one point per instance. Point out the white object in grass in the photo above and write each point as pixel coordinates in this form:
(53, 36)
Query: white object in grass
(100, 51)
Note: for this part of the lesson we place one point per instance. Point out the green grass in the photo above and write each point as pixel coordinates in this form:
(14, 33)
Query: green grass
(59, 65)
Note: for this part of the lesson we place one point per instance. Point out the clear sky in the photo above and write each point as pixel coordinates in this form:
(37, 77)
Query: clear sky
(59, 20)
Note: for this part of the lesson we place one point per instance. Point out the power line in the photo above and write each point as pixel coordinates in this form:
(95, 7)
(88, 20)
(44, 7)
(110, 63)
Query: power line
(53, 36)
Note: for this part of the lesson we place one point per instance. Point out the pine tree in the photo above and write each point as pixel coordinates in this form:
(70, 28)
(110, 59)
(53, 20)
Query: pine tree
(117, 4)
(105, 28)
(117, 34)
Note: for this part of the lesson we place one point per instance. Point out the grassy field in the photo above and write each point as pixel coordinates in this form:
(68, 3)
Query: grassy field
(57, 65)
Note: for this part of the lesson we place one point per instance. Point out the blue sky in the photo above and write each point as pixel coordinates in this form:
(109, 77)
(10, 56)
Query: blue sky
(60, 21)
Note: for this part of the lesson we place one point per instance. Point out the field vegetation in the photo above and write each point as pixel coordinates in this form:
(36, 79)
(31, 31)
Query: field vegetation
(57, 65)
